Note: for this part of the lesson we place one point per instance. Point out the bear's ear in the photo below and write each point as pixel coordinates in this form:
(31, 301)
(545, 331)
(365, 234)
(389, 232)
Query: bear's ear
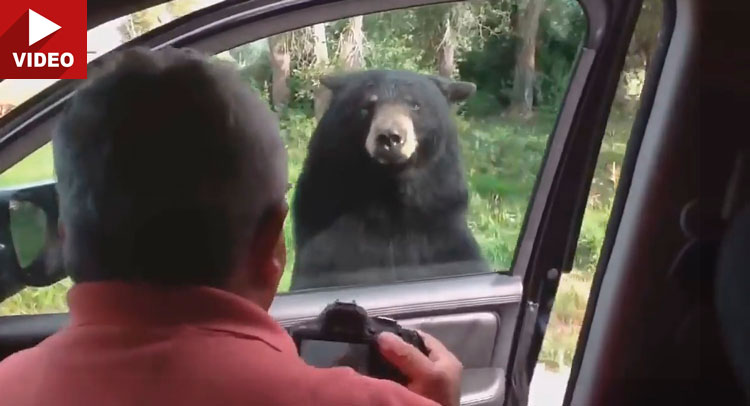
(454, 91)
(333, 82)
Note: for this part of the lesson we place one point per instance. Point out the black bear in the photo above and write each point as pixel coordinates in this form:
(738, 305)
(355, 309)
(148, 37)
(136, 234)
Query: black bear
(382, 195)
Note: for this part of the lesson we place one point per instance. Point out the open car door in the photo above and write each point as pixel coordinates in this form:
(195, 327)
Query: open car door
(493, 321)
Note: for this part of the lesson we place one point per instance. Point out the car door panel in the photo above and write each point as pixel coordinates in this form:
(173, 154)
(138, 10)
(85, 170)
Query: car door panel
(471, 336)
(482, 386)
(465, 313)
(20, 332)
(407, 299)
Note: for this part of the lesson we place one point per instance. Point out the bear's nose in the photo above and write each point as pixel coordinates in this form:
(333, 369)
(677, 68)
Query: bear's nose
(389, 139)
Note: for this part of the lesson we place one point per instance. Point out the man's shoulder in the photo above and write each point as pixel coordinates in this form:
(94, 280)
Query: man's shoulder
(19, 367)
(252, 372)
(29, 358)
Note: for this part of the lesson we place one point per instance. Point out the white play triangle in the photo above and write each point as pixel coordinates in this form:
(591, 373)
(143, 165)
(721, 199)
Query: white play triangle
(39, 27)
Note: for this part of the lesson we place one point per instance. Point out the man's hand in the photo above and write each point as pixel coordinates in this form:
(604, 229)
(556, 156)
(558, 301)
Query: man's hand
(437, 377)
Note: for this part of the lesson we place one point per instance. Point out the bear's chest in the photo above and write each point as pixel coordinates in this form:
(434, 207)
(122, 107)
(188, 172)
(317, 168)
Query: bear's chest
(382, 240)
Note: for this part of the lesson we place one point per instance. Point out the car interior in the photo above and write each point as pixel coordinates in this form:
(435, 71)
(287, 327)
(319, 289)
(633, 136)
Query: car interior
(657, 329)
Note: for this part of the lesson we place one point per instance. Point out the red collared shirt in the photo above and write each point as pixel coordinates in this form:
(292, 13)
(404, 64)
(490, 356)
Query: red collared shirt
(138, 345)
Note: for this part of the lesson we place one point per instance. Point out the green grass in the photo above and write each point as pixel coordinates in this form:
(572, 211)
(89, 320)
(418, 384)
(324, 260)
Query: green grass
(38, 166)
(501, 158)
(49, 299)
(558, 347)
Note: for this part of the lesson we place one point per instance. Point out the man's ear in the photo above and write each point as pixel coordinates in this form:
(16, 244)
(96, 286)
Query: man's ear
(269, 235)
(454, 91)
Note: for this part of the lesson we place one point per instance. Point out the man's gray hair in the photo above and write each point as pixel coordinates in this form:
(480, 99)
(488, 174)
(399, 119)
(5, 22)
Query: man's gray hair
(165, 161)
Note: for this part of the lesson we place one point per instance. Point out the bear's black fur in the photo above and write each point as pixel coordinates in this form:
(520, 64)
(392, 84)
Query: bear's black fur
(357, 221)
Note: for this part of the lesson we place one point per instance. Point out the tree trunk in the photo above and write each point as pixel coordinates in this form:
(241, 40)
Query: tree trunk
(646, 35)
(320, 47)
(446, 55)
(525, 71)
(642, 46)
(351, 45)
(321, 95)
(322, 99)
(281, 70)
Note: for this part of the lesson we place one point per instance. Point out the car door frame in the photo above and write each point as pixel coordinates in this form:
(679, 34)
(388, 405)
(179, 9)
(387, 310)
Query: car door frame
(550, 237)
(549, 234)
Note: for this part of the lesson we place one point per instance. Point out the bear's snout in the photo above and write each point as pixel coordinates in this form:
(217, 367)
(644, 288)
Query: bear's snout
(391, 139)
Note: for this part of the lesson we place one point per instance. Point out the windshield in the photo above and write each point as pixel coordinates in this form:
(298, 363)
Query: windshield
(100, 40)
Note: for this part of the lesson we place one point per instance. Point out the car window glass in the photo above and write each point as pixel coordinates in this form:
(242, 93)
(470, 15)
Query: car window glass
(486, 80)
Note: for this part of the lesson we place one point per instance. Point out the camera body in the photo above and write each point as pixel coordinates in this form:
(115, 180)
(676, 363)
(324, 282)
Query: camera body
(344, 335)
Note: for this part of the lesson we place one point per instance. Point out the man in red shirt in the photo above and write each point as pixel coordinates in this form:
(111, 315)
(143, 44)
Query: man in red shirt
(171, 177)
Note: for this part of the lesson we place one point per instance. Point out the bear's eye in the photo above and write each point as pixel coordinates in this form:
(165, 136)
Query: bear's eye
(366, 109)
(415, 106)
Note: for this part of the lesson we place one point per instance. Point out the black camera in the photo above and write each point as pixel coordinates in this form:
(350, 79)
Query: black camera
(343, 335)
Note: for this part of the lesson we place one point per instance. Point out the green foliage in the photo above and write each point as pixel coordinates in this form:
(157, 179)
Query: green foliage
(302, 91)
(466, 26)
(296, 130)
(563, 27)
(481, 34)
(482, 105)
(501, 161)
(491, 67)
(591, 238)
(394, 53)
(253, 63)
(49, 299)
(566, 319)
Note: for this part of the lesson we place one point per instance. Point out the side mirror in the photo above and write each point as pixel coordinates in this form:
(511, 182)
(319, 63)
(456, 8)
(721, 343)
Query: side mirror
(30, 252)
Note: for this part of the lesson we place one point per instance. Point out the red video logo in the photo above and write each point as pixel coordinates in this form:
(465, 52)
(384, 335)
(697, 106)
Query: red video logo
(43, 39)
